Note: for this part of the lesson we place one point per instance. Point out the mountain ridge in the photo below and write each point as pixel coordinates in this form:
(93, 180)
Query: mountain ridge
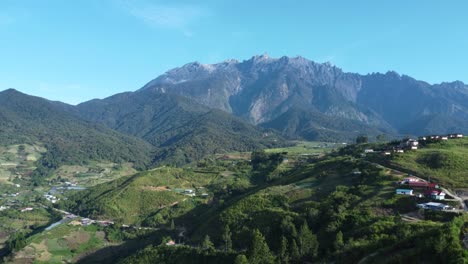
(262, 88)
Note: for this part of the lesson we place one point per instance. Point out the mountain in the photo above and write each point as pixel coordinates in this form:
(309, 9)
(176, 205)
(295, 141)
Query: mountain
(68, 139)
(313, 125)
(262, 89)
(181, 129)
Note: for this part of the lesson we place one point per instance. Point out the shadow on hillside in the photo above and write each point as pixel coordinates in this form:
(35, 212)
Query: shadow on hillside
(112, 254)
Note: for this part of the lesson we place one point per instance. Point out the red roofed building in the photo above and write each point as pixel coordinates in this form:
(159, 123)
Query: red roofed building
(422, 184)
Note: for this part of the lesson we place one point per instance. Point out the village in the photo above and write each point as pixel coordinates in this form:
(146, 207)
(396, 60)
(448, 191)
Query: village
(416, 186)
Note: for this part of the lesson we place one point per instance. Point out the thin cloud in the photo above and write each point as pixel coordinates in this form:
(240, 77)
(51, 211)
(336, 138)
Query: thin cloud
(173, 17)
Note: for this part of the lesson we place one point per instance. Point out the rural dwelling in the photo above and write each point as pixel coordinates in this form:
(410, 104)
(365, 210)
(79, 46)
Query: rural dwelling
(410, 179)
(421, 184)
(444, 138)
(414, 147)
(423, 138)
(437, 195)
(387, 153)
(27, 209)
(398, 151)
(171, 243)
(455, 136)
(356, 172)
(368, 151)
(404, 191)
(434, 206)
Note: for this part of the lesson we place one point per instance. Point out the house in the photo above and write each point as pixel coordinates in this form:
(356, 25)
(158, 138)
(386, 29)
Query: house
(437, 195)
(398, 151)
(404, 191)
(422, 184)
(2, 208)
(368, 151)
(387, 153)
(410, 179)
(434, 206)
(27, 209)
(414, 147)
(356, 172)
(171, 243)
(455, 136)
(422, 138)
(444, 138)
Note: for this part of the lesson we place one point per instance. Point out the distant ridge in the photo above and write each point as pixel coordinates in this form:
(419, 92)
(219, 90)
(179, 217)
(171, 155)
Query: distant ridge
(262, 89)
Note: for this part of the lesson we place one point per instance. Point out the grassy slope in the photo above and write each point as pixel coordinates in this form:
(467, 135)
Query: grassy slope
(445, 162)
(154, 196)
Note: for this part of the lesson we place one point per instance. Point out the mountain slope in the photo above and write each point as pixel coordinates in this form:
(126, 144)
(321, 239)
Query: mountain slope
(313, 125)
(181, 130)
(68, 139)
(262, 88)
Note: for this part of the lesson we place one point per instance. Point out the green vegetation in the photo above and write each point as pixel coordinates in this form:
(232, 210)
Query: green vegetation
(316, 211)
(68, 140)
(270, 206)
(444, 161)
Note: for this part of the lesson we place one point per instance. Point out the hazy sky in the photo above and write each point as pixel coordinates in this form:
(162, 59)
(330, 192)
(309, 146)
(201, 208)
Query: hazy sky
(78, 50)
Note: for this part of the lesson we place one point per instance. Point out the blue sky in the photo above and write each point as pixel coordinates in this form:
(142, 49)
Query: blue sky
(74, 51)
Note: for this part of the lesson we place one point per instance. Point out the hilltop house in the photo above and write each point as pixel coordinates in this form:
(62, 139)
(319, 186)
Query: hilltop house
(409, 144)
(455, 135)
(404, 191)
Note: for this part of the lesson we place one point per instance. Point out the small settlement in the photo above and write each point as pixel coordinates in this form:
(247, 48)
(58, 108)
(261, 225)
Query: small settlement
(413, 186)
(413, 144)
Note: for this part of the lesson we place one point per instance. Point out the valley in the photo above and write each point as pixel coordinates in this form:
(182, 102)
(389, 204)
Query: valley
(316, 173)
(309, 189)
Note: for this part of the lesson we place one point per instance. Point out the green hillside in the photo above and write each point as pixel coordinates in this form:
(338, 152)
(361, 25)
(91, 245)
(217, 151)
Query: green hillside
(444, 161)
(313, 125)
(314, 210)
(26, 119)
(182, 131)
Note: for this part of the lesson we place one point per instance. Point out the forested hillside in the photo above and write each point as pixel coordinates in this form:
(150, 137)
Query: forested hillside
(68, 139)
(182, 130)
(279, 208)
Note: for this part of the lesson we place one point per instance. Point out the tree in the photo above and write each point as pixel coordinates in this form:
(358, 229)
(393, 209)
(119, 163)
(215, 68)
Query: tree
(362, 139)
(283, 253)
(381, 137)
(227, 239)
(16, 242)
(259, 252)
(339, 243)
(207, 244)
(241, 259)
(294, 250)
(308, 244)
